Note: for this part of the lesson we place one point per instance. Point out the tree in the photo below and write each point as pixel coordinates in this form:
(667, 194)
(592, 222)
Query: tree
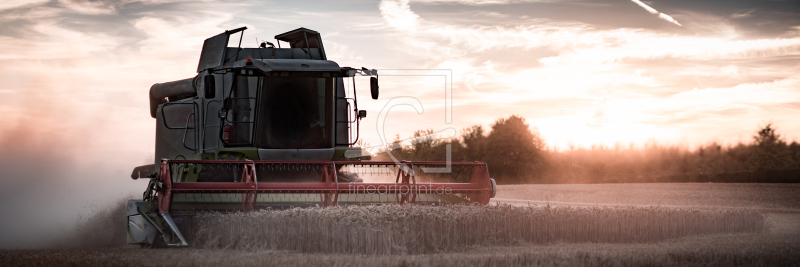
(794, 151)
(770, 151)
(425, 145)
(473, 141)
(513, 152)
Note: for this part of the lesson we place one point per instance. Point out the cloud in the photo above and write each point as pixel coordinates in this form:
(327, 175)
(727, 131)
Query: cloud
(731, 70)
(89, 7)
(649, 45)
(723, 114)
(482, 2)
(645, 76)
(646, 7)
(7, 4)
(654, 12)
(579, 43)
(399, 15)
(746, 14)
(668, 18)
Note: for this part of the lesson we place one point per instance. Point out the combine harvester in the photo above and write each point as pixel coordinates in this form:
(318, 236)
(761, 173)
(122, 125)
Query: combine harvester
(273, 127)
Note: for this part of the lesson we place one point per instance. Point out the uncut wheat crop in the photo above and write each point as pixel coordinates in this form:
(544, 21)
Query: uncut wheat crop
(401, 229)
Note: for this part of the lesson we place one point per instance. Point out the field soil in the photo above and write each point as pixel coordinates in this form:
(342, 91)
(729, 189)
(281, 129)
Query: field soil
(778, 246)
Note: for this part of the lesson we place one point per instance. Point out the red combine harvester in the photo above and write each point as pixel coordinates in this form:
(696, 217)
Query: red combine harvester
(271, 127)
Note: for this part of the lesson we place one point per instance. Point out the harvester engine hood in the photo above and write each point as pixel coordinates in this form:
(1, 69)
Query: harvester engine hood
(275, 65)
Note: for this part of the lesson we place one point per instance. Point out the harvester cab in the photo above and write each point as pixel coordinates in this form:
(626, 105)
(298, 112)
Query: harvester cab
(271, 127)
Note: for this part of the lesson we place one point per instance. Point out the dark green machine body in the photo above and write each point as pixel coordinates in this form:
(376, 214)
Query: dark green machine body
(265, 103)
(262, 103)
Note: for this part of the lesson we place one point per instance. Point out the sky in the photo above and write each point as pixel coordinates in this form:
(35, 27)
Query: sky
(75, 74)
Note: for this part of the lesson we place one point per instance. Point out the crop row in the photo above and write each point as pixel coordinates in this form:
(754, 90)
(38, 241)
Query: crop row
(400, 229)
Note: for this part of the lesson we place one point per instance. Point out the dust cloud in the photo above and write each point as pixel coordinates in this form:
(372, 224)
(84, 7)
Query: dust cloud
(62, 185)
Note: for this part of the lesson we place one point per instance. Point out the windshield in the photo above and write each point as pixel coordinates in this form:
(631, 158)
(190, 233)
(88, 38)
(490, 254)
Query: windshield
(286, 112)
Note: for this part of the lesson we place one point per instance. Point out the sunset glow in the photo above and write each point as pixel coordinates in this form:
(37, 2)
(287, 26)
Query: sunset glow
(75, 77)
(579, 80)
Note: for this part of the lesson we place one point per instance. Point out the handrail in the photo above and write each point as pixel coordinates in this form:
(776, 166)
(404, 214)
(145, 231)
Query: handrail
(206, 126)
(164, 118)
(186, 129)
(349, 122)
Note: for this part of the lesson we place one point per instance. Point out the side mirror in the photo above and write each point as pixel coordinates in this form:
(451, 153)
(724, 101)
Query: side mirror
(373, 84)
(362, 114)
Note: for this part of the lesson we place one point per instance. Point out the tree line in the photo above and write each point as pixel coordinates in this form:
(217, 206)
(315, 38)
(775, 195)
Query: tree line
(515, 154)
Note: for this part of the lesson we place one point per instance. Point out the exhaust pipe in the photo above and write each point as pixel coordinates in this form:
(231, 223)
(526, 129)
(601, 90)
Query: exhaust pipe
(160, 91)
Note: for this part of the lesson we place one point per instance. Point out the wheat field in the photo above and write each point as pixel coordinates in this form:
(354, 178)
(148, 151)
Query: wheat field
(754, 230)
(410, 229)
